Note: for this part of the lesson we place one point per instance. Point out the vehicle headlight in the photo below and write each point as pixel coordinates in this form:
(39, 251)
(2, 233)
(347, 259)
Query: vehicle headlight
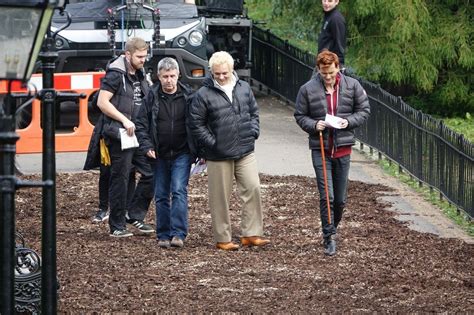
(195, 38)
(236, 37)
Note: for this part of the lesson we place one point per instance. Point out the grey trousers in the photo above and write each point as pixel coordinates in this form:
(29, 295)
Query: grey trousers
(220, 181)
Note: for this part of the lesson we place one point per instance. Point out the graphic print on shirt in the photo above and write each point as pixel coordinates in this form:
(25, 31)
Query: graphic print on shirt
(137, 93)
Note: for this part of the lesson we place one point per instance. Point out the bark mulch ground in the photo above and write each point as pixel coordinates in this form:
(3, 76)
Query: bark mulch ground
(380, 266)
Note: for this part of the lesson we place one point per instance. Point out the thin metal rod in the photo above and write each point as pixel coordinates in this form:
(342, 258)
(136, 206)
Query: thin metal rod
(8, 139)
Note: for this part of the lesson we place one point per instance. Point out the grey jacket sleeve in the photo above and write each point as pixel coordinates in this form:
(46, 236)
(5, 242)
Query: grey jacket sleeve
(361, 108)
(302, 114)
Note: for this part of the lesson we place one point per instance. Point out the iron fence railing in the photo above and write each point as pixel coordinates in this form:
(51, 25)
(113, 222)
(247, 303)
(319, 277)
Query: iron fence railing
(419, 143)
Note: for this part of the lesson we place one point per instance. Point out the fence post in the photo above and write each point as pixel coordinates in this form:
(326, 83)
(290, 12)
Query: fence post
(461, 185)
(48, 240)
(400, 141)
(441, 155)
(8, 138)
(420, 149)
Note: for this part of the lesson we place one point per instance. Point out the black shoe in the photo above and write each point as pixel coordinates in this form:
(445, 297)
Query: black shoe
(141, 226)
(330, 245)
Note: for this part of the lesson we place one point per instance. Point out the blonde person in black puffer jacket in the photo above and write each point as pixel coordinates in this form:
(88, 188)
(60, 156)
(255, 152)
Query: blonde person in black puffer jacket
(224, 123)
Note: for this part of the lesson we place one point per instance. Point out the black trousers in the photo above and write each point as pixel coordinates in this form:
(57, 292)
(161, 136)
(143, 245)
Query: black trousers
(104, 183)
(122, 200)
(104, 179)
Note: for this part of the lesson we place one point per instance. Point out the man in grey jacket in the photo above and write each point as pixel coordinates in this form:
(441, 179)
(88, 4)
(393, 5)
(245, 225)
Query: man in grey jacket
(330, 92)
(224, 123)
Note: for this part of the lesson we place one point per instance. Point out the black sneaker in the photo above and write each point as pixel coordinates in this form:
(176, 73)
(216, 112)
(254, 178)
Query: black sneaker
(121, 233)
(141, 226)
(100, 216)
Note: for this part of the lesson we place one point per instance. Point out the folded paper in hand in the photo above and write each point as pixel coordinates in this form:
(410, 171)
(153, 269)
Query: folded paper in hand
(199, 167)
(333, 121)
(127, 141)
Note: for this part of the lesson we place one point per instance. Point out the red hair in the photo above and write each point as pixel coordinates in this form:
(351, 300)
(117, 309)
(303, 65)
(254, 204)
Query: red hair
(326, 58)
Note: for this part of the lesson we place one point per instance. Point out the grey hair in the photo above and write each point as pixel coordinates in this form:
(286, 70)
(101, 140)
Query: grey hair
(167, 64)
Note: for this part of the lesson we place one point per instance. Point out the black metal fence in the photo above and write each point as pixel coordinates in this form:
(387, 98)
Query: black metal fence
(419, 143)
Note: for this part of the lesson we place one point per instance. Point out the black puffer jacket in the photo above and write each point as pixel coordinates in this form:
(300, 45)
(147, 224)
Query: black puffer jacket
(221, 129)
(311, 106)
(147, 130)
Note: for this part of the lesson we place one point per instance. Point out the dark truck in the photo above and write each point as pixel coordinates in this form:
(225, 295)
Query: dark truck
(187, 30)
(190, 31)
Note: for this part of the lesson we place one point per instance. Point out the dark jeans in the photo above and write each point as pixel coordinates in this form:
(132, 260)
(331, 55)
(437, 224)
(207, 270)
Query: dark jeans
(337, 176)
(171, 196)
(119, 191)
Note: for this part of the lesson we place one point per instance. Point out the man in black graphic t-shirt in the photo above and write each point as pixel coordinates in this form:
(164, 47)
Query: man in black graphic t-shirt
(120, 98)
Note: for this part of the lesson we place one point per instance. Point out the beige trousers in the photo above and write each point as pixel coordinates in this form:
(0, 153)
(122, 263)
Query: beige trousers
(220, 180)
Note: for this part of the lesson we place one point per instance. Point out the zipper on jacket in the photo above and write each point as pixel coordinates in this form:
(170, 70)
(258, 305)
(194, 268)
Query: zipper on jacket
(173, 115)
(333, 112)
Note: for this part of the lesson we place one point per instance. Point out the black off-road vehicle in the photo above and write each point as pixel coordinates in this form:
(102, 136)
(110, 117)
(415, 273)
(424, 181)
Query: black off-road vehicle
(187, 30)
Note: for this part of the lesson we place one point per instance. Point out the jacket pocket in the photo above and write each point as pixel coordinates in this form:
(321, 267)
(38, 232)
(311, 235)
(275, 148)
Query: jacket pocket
(111, 129)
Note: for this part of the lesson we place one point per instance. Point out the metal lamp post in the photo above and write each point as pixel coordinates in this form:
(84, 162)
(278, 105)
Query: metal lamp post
(23, 25)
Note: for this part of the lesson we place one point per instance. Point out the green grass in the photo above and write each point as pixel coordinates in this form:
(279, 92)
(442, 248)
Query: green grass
(464, 126)
(461, 219)
(280, 26)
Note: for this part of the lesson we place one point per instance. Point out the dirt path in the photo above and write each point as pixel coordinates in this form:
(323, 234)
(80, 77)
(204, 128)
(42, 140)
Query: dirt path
(381, 265)
(283, 150)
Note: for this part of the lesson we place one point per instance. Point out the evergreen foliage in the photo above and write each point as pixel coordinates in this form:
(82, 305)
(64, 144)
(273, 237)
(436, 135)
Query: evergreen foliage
(423, 49)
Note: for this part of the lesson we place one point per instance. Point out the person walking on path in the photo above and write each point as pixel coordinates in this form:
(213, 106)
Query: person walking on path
(224, 123)
(104, 180)
(163, 136)
(333, 31)
(103, 213)
(332, 93)
(97, 157)
(120, 98)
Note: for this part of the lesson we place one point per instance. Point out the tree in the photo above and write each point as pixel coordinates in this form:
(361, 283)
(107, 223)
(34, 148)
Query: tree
(421, 48)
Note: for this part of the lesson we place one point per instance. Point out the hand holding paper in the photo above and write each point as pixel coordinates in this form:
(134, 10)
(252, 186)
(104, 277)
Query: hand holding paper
(127, 141)
(199, 167)
(335, 122)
